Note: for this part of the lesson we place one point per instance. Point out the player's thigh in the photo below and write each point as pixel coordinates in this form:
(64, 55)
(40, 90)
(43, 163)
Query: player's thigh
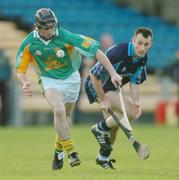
(114, 100)
(69, 88)
(55, 99)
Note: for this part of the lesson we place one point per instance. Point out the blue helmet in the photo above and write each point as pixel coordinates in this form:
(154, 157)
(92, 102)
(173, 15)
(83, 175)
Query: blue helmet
(45, 18)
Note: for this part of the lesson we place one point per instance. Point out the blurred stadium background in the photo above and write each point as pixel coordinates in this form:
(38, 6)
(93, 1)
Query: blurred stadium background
(119, 18)
(26, 152)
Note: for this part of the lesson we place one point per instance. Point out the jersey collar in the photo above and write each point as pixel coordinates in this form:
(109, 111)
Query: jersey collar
(130, 49)
(131, 53)
(36, 35)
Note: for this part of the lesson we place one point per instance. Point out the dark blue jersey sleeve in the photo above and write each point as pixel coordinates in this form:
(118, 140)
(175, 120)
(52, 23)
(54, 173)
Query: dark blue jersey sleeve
(116, 53)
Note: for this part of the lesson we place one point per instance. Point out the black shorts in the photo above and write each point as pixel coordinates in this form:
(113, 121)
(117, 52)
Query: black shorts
(90, 91)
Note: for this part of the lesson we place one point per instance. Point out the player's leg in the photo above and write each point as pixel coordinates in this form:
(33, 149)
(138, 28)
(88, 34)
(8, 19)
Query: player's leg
(57, 162)
(113, 134)
(59, 154)
(109, 124)
(106, 131)
(105, 138)
(55, 99)
(58, 92)
(69, 109)
(73, 157)
(101, 133)
(132, 111)
(71, 93)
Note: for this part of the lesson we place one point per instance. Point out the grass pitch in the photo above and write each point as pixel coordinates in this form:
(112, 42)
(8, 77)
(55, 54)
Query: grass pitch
(26, 153)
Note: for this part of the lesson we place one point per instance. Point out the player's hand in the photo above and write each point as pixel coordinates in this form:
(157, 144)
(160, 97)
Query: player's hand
(137, 110)
(104, 104)
(26, 88)
(116, 79)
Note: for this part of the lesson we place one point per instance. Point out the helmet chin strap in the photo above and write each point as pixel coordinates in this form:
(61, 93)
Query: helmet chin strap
(45, 38)
(42, 36)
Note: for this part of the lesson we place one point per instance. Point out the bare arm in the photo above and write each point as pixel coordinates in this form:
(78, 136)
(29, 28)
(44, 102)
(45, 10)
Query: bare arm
(134, 89)
(25, 84)
(103, 59)
(24, 58)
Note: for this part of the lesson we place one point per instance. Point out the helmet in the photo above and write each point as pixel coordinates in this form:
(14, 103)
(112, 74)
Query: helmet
(45, 18)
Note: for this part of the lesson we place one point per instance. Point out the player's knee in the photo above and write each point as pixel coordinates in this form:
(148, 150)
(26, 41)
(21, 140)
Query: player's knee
(115, 128)
(59, 111)
(137, 113)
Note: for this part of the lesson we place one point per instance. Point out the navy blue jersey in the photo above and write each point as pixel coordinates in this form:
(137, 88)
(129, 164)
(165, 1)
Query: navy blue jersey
(122, 58)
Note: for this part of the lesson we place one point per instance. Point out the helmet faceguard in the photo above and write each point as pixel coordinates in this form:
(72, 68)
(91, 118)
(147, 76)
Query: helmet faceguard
(45, 19)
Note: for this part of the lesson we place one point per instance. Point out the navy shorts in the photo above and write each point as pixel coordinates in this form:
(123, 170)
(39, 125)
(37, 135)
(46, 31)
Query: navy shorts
(90, 91)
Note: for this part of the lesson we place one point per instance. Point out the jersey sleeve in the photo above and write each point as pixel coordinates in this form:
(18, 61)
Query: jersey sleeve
(85, 45)
(23, 58)
(139, 76)
(116, 52)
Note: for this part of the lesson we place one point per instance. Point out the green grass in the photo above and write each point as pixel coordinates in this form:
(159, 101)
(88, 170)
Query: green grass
(26, 153)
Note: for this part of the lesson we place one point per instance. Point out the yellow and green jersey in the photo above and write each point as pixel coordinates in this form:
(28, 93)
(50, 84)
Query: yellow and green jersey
(56, 58)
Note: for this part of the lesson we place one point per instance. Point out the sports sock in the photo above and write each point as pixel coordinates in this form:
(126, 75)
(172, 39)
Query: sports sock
(68, 146)
(103, 126)
(103, 158)
(105, 152)
(58, 144)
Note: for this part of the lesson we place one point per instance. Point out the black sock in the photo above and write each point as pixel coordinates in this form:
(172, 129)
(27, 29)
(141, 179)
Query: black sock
(105, 152)
(103, 126)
